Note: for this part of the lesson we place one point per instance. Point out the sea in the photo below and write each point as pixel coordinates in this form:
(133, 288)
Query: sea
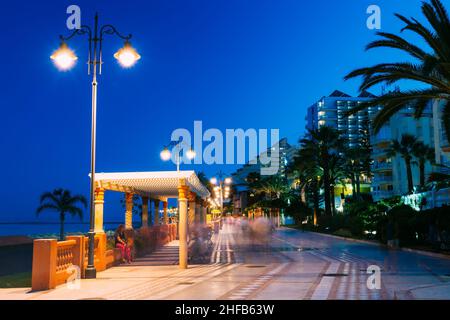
(46, 229)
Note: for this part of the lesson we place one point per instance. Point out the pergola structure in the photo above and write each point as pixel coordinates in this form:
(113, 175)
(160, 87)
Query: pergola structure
(157, 186)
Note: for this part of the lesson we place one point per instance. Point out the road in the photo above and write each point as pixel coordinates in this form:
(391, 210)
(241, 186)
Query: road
(305, 265)
(290, 265)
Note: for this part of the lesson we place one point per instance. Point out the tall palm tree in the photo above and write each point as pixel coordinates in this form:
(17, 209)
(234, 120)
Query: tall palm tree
(307, 172)
(354, 166)
(431, 67)
(405, 148)
(61, 201)
(424, 154)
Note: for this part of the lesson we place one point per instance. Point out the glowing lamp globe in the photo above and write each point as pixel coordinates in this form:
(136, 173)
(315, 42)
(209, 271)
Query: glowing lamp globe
(165, 154)
(190, 154)
(127, 56)
(64, 58)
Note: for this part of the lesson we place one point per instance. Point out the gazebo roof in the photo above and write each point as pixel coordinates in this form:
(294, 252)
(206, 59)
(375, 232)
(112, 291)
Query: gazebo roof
(156, 184)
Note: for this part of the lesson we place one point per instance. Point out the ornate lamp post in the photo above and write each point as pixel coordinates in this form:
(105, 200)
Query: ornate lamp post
(64, 58)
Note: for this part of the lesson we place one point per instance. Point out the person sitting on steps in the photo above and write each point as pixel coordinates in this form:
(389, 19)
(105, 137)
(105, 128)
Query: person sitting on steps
(120, 240)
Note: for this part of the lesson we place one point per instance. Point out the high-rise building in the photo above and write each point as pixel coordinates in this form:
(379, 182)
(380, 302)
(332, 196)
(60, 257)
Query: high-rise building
(331, 111)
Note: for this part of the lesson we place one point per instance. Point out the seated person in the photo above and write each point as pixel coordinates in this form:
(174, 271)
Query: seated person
(120, 240)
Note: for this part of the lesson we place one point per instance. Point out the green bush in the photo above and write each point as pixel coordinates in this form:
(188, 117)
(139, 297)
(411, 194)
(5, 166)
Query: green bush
(343, 233)
(403, 219)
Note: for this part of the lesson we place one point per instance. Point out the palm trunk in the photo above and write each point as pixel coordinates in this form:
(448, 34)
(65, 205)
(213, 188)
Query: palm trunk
(316, 202)
(333, 201)
(353, 186)
(61, 226)
(422, 173)
(326, 187)
(358, 186)
(409, 175)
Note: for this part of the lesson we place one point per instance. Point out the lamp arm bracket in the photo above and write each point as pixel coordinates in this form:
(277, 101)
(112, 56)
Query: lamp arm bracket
(82, 31)
(110, 29)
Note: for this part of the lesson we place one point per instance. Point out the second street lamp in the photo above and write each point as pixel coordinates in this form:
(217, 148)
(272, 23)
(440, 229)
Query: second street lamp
(64, 59)
(222, 190)
(166, 154)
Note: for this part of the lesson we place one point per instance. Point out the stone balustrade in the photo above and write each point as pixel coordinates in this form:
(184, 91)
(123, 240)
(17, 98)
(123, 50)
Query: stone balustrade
(53, 260)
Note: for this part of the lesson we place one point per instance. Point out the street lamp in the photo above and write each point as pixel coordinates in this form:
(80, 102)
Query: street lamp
(221, 192)
(166, 154)
(64, 59)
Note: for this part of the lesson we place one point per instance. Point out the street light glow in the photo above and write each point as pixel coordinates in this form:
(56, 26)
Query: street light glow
(190, 154)
(227, 180)
(127, 56)
(64, 58)
(213, 180)
(165, 154)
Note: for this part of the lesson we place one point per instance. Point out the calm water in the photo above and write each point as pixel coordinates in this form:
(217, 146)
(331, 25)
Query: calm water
(35, 229)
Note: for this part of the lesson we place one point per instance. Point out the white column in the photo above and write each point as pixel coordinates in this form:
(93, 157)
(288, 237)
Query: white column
(99, 202)
(183, 224)
(129, 211)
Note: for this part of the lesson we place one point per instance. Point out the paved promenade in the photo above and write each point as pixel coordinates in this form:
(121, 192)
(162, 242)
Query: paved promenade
(294, 265)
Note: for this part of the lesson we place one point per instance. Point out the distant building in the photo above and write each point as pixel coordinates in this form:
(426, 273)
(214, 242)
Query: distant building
(390, 177)
(390, 173)
(241, 195)
(441, 144)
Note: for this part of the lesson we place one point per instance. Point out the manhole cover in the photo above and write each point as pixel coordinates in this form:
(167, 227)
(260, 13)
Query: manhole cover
(334, 275)
(255, 266)
(185, 283)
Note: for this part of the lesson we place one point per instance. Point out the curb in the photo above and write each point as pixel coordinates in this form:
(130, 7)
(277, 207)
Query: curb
(421, 252)
(427, 253)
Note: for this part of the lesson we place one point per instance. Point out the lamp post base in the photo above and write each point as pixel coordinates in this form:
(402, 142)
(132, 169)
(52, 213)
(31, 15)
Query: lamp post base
(90, 273)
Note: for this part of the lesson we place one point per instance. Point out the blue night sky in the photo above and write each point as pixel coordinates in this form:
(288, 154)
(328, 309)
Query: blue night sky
(230, 63)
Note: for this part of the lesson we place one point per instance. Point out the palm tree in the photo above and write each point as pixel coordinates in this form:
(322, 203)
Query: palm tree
(62, 202)
(337, 177)
(405, 148)
(308, 173)
(273, 186)
(353, 166)
(319, 150)
(430, 68)
(424, 154)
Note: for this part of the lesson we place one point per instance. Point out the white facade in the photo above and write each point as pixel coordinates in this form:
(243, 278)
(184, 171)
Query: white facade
(390, 176)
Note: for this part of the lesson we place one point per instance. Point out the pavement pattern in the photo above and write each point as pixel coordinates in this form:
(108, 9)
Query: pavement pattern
(289, 265)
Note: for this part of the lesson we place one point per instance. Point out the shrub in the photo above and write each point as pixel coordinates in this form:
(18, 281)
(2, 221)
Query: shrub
(343, 233)
(403, 221)
(144, 241)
